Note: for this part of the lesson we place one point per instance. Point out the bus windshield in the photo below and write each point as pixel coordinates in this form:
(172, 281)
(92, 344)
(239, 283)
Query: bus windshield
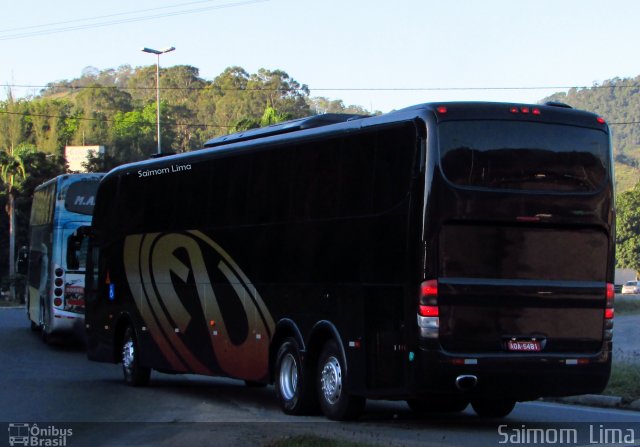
(523, 155)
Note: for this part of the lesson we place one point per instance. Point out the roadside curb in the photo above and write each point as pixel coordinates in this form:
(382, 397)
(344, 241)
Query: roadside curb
(598, 400)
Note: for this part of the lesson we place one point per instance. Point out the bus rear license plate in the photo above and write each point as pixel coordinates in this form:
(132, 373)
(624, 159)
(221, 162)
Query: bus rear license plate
(524, 346)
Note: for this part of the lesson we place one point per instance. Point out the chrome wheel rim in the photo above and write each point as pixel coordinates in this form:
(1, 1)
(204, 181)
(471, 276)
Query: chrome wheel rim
(331, 380)
(128, 356)
(288, 377)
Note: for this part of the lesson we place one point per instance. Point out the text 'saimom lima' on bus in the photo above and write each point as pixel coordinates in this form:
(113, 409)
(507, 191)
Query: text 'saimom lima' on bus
(55, 266)
(444, 254)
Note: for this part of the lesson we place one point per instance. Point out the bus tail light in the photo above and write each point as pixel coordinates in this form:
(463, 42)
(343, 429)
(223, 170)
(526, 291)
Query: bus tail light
(58, 282)
(609, 312)
(428, 312)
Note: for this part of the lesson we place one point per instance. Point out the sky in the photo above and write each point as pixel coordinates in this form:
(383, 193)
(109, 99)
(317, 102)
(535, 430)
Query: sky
(379, 54)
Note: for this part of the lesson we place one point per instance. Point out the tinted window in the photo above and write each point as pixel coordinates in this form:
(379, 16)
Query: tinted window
(523, 155)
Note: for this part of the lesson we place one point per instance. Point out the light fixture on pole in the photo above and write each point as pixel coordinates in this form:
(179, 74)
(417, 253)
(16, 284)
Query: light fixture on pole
(158, 53)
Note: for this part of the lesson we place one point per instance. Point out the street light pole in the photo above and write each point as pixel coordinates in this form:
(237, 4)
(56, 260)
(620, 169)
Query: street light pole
(158, 53)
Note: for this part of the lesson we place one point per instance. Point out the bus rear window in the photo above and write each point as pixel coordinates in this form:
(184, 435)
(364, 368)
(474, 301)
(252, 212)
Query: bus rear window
(81, 197)
(523, 155)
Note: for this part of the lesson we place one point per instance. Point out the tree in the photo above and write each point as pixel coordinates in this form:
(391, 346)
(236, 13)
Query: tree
(12, 171)
(628, 229)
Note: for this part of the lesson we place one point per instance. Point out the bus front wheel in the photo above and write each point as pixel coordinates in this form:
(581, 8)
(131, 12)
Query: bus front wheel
(134, 373)
(335, 400)
(294, 385)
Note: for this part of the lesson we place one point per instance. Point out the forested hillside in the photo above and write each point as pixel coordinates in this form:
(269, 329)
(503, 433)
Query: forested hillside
(618, 101)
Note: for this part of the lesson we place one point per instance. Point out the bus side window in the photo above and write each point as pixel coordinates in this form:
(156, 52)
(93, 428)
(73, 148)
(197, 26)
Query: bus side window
(77, 245)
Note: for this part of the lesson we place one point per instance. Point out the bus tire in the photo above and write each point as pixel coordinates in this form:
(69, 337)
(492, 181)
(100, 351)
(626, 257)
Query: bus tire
(294, 385)
(493, 408)
(45, 324)
(439, 404)
(134, 373)
(335, 400)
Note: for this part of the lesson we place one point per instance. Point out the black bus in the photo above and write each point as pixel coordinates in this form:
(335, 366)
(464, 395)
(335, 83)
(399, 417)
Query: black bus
(443, 254)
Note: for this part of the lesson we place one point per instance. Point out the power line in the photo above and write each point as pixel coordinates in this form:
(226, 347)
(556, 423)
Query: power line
(328, 89)
(44, 25)
(21, 35)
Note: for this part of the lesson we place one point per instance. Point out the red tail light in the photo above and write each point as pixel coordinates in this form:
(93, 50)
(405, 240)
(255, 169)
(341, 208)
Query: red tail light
(428, 289)
(428, 312)
(611, 295)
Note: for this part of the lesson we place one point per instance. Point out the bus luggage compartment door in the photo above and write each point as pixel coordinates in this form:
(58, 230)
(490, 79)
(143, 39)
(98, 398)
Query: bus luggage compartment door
(522, 289)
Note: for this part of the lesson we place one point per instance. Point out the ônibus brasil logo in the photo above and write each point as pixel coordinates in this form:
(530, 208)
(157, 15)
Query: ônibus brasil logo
(34, 435)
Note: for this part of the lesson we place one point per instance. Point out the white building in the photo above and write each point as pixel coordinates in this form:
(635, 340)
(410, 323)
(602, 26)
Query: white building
(76, 155)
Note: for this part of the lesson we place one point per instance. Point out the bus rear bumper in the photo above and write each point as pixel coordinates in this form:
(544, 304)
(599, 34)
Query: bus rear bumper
(506, 376)
(67, 322)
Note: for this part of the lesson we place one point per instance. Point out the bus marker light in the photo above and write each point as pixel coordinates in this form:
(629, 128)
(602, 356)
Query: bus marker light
(57, 302)
(514, 110)
(441, 110)
(212, 323)
(524, 109)
(536, 111)
(355, 344)
(608, 314)
(601, 120)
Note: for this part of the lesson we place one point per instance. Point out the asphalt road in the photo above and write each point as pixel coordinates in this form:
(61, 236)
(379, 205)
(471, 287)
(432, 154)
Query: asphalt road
(57, 388)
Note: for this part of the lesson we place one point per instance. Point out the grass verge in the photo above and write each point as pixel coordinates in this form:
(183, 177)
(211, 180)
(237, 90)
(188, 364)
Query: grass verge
(627, 306)
(624, 381)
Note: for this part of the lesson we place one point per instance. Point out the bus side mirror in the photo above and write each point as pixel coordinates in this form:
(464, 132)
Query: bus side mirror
(22, 263)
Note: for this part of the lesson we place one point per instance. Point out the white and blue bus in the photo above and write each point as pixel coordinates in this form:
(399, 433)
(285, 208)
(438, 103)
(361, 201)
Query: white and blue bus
(61, 211)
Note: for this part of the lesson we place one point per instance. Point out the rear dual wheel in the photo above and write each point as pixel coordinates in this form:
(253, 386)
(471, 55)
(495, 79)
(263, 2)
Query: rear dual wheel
(335, 400)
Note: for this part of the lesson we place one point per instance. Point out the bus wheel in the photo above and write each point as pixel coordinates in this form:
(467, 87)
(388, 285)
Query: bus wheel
(134, 374)
(335, 400)
(294, 386)
(493, 408)
(438, 404)
(45, 324)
